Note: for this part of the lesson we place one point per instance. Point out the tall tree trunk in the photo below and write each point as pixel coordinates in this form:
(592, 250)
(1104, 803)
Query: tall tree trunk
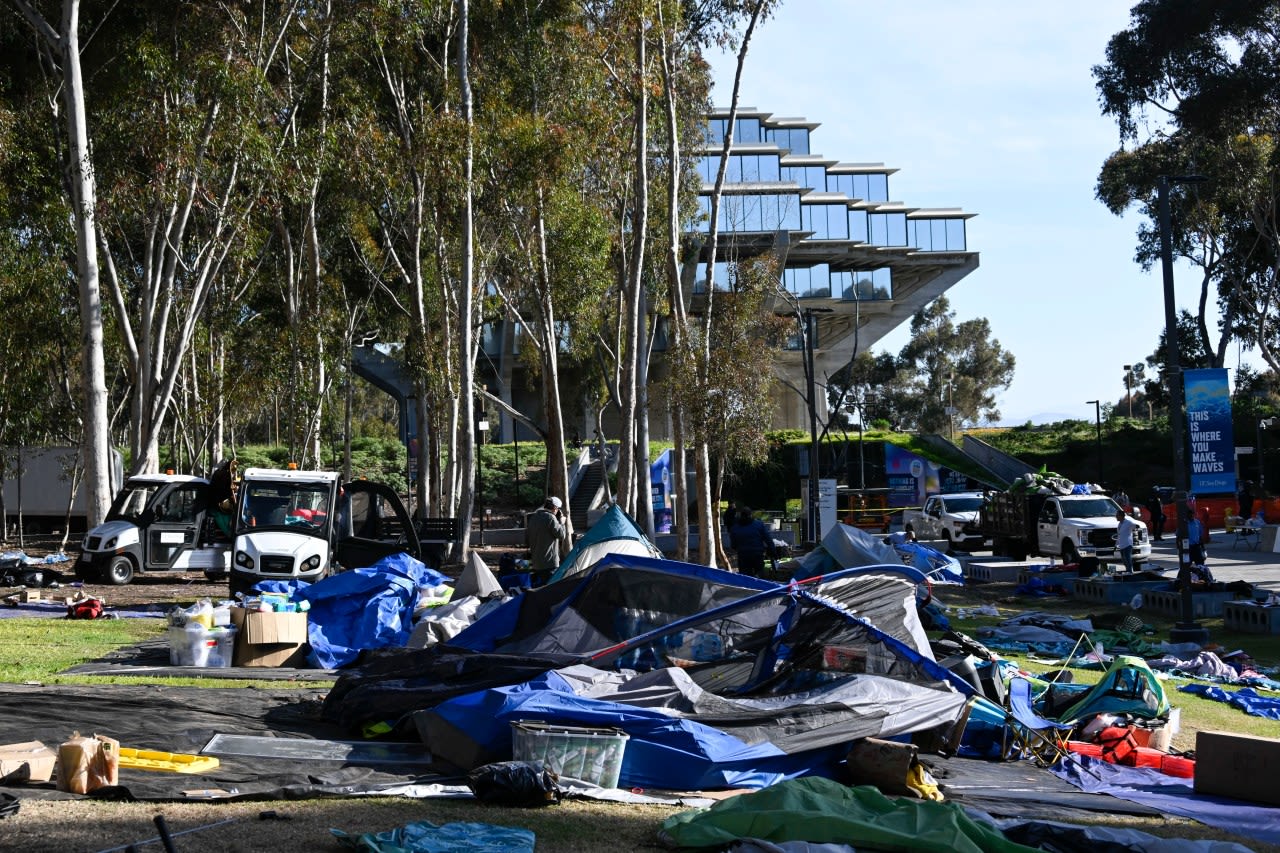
(628, 473)
(710, 544)
(466, 327)
(65, 47)
(675, 294)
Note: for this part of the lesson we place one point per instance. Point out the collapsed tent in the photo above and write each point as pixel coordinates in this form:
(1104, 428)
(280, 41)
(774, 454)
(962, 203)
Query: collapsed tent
(847, 547)
(800, 668)
(614, 533)
(1128, 687)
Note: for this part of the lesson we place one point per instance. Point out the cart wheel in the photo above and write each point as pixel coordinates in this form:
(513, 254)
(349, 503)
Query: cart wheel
(120, 572)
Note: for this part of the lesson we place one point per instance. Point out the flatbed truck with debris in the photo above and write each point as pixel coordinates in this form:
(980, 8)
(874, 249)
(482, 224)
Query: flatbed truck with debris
(1073, 527)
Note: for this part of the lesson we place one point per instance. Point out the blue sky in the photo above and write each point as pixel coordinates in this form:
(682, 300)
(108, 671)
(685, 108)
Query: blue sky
(989, 106)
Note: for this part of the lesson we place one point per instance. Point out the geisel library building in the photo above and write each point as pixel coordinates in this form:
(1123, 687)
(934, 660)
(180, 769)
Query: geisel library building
(851, 256)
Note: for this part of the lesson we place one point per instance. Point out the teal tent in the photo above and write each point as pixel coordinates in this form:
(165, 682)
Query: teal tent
(1129, 687)
(614, 533)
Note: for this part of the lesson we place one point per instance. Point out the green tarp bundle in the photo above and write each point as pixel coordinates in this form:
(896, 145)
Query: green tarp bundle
(820, 810)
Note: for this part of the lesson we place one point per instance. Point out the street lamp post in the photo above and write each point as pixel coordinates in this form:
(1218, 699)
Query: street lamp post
(1128, 388)
(483, 426)
(1263, 423)
(1187, 630)
(1097, 419)
(805, 316)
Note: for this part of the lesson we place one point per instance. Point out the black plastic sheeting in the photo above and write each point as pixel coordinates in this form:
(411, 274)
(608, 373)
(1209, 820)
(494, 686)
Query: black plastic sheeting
(151, 658)
(183, 720)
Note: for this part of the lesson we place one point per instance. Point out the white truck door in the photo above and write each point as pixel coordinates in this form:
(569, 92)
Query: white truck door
(1047, 528)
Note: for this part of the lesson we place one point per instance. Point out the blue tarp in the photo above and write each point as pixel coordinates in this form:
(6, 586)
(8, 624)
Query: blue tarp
(1247, 700)
(369, 608)
(1171, 795)
(662, 752)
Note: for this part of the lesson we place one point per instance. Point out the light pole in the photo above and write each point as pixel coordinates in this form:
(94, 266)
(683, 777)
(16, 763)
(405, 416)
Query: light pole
(1128, 388)
(1188, 630)
(805, 316)
(1263, 423)
(951, 409)
(483, 426)
(1097, 419)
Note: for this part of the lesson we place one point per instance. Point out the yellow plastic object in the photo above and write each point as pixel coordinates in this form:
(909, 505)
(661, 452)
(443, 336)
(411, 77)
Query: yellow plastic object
(171, 762)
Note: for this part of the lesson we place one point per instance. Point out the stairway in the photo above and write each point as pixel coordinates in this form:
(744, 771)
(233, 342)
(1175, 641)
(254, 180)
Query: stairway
(584, 496)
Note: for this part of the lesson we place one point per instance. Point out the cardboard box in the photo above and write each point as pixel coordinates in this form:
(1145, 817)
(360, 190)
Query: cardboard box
(31, 761)
(1239, 766)
(269, 639)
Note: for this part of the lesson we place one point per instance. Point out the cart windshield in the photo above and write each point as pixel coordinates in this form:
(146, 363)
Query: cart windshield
(132, 500)
(296, 507)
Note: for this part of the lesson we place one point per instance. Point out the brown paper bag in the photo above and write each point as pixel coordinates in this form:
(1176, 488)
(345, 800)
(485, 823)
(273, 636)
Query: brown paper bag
(74, 757)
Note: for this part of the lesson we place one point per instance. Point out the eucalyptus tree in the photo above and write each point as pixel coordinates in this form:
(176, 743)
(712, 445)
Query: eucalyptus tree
(949, 365)
(705, 361)
(408, 138)
(60, 63)
(1193, 88)
(549, 138)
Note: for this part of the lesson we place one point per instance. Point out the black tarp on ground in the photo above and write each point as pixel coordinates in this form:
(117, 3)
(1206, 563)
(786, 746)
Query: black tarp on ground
(184, 719)
(151, 658)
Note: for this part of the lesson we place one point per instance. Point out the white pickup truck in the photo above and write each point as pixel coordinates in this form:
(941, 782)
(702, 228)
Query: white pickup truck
(1067, 526)
(951, 517)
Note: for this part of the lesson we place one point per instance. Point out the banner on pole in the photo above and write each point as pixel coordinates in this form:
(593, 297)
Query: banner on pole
(1209, 432)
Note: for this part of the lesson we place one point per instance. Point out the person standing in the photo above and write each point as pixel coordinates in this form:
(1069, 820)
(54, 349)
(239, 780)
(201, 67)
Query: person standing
(751, 540)
(1155, 507)
(1124, 538)
(1195, 535)
(1245, 497)
(545, 532)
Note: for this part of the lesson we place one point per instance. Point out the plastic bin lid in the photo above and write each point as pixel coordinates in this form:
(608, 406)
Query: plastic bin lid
(557, 729)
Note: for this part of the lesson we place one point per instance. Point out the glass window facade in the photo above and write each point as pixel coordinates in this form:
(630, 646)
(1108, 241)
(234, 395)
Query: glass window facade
(874, 187)
(887, 229)
(812, 177)
(937, 235)
(743, 168)
(808, 282)
(794, 139)
(863, 285)
(747, 130)
(858, 228)
(826, 221)
(759, 212)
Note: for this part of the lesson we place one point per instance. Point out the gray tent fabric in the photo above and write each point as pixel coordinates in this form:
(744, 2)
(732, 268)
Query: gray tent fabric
(846, 547)
(477, 579)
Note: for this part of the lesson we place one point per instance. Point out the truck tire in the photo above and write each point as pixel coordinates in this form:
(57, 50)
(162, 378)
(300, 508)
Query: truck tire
(951, 543)
(120, 571)
(1069, 553)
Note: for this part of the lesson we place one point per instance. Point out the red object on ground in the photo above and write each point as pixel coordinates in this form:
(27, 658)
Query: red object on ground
(1093, 750)
(1117, 744)
(1176, 765)
(1144, 757)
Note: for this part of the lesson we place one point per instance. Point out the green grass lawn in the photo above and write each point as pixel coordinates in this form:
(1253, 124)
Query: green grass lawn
(1196, 713)
(38, 650)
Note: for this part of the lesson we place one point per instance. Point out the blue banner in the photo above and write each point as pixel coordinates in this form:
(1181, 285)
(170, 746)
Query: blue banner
(1209, 434)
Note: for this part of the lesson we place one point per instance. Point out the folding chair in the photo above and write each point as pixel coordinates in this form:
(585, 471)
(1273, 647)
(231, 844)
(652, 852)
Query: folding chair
(1026, 733)
(1248, 536)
